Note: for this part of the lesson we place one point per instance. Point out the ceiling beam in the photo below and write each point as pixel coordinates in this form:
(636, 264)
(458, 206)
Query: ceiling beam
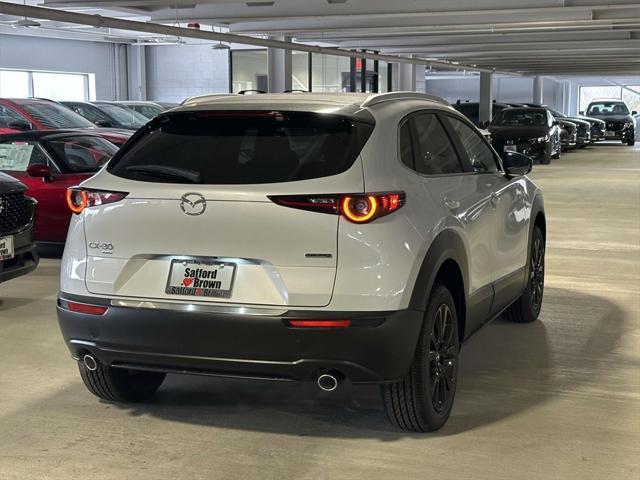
(496, 38)
(519, 46)
(471, 29)
(100, 21)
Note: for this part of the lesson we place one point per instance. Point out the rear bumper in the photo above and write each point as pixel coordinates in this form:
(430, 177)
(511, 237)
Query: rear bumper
(378, 347)
(25, 259)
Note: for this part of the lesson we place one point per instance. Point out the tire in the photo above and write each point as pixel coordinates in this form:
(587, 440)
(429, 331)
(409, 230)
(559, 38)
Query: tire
(527, 308)
(557, 155)
(422, 401)
(120, 385)
(631, 142)
(546, 158)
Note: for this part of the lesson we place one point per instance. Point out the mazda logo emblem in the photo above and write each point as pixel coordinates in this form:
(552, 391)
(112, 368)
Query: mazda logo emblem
(193, 204)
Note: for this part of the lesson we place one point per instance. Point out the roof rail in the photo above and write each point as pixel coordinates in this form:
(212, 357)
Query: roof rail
(385, 97)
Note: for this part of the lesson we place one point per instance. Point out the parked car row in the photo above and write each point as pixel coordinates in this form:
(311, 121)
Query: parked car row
(50, 146)
(542, 133)
(22, 114)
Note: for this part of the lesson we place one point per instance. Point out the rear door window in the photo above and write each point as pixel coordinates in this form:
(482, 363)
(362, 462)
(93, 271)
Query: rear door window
(406, 146)
(16, 156)
(82, 154)
(434, 153)
(479, 154)
(241, 147)
(8, 116)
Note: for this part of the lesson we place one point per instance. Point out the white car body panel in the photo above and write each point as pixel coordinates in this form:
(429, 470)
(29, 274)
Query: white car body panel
(373, 267)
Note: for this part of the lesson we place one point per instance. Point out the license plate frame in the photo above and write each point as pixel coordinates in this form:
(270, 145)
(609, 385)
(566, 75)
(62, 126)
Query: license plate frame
(201, 291)
(510, 148)
(7, 250)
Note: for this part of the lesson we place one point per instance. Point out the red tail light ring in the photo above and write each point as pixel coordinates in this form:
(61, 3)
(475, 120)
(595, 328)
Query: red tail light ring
(356, 208)
(78, 199)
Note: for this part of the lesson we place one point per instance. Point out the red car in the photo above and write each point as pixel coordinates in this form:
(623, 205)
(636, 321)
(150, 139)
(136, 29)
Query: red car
(26, 114)
(49, 162)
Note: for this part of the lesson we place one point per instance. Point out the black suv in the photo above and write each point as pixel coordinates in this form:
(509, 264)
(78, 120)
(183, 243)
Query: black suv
(471, 110)
(17, 250)
(620, 123)
(531, 131)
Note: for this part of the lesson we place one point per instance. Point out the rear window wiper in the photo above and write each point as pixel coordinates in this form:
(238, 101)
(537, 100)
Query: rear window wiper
(166, 172)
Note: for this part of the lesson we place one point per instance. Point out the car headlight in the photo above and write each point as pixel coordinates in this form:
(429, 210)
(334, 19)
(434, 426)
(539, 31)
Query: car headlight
(628, 125)
(539, 139)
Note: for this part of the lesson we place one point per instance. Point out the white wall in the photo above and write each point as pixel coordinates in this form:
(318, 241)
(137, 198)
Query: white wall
(177, 72)
(595, 81)
(37, 53)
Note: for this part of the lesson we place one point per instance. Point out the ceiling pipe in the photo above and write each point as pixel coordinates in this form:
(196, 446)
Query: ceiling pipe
(99, 21)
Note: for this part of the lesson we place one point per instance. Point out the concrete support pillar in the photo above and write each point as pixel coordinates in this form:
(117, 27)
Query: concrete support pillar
(566, 97)
(538, 83)
(486, 97)
(279, 65)
(136, 67)
(407, 77)
(421, 84)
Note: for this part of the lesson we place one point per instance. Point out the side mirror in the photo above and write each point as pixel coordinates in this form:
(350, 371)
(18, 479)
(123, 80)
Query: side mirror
(484, 123)
(20, 125)
(39, 170)
(104, 123)
(634, 112)
(516, 164)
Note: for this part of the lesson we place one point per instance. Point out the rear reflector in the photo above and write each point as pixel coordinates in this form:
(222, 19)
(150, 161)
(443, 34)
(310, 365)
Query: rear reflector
(320, 323)
(83, 308)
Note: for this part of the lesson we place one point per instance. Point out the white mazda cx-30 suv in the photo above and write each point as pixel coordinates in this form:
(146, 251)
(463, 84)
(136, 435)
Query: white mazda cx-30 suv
(309, 237)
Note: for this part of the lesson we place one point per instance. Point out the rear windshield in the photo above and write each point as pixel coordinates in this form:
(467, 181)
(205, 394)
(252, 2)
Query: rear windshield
(242, 148)
(52, 115)
(125, 116)
(520, 117)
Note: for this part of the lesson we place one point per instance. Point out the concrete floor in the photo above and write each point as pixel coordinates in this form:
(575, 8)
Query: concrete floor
(557, 399)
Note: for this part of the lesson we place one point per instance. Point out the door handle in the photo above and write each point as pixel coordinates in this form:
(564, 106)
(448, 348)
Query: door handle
(494, 199)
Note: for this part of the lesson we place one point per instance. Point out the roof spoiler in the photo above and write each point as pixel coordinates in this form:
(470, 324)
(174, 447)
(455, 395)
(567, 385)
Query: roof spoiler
(386, 97)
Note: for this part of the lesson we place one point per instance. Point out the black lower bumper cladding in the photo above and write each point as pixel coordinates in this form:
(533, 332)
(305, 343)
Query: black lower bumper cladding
(376, 347)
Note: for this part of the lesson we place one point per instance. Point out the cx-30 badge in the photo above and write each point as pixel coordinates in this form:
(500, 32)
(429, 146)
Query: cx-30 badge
(193, 204)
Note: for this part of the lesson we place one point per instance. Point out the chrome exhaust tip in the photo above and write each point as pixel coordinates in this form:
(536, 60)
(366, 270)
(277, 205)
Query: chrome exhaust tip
(90, 362)
(327, 382)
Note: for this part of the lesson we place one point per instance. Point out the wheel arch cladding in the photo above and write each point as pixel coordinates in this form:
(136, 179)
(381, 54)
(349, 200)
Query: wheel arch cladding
(538, 219)
(445, 263)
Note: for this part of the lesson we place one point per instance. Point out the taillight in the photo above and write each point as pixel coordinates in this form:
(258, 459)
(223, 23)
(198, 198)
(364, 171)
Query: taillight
(79, 199)
(357, 208)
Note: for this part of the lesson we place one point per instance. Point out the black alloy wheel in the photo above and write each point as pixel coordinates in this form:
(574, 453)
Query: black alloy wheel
(536, 273)
(443, 358)
(527, 308)
(422, 400)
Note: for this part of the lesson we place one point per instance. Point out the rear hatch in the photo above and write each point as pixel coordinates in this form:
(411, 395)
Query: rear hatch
(197, 223)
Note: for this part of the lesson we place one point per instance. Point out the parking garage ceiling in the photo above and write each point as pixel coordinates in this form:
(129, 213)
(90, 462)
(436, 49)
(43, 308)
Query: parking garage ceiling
(530, 36)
